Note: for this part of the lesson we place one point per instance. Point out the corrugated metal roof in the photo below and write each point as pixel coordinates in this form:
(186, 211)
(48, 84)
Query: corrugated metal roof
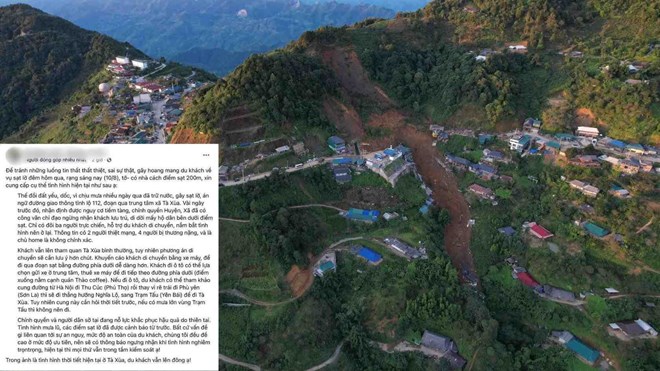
(577, 346)
(595, 229)
(370, 255)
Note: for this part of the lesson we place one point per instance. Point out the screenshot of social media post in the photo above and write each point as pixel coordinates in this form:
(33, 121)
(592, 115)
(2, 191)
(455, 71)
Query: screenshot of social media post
(110, 257)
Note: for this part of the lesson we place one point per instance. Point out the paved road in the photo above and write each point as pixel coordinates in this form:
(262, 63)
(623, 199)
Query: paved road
(317, 205)
(157, 108)
(306, 165)
(330, 360)
(159, 68)
(250, 366)
(234, 220)
(250, 178)
(239, 294)
(232, 361)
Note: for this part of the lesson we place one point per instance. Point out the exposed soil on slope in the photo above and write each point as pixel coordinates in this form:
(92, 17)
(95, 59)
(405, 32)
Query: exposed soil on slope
(299, 280)
(345, 118)
(445, 193)
(188, 135)
(352, 76)
(354, 81)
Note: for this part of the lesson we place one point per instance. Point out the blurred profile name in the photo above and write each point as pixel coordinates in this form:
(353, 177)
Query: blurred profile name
(54, 160)
(18, 156)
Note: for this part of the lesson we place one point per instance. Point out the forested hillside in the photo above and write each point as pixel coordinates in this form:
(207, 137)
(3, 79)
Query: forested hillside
(43, 59)
(425, 61)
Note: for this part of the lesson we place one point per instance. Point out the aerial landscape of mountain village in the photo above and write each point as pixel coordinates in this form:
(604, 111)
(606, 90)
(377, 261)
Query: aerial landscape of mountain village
(473, 185)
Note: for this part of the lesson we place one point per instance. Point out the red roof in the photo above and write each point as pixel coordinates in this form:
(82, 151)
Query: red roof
(527, 279)
(540, 232)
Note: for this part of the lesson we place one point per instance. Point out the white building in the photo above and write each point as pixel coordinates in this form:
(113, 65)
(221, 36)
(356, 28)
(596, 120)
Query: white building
(520, 144)
(141, 64)
(123, 60)
(586, 131)
(282, 149)
(142, 98)
(517, 47)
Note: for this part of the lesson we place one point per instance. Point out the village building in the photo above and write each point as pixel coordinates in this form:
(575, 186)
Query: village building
(282, 149)
(616, 145)
(327, 263)
(458, 162)
(444, 347)
(552, 147)
(557, 294)
(595, 230)
(628, 330)
(482, 192)
(628, 166)
(390, 216)
(337, 144)
(520, 144)
(122, 60)
(147, 87)
(507, 231)
(483, 171)
(585, 188)
(367, 216)
(402, 248)
(586, 131)
(392, 163)
(611, 291)
(564, 137)
(485, 138)
(585, 161)
(342, 174)
(370, 256)
(636, 148)
(493, 156)
(581, 350)
(525, 278)
(532, 124)
(140, 64)
(538, 231)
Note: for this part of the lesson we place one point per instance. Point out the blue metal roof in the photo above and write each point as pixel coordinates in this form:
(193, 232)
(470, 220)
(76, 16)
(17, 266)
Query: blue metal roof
(617, 144)
(342, 161)
(335, 140)
(370, 255)
(390, 152)
(364, 215)
(424, 209)
(509, 231)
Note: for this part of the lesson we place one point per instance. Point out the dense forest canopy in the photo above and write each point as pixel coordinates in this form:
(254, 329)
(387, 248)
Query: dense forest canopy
(283, 86)
(43, 58)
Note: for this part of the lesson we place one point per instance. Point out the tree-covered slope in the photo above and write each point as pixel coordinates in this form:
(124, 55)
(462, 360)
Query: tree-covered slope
(425, 62)
(43, 58)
